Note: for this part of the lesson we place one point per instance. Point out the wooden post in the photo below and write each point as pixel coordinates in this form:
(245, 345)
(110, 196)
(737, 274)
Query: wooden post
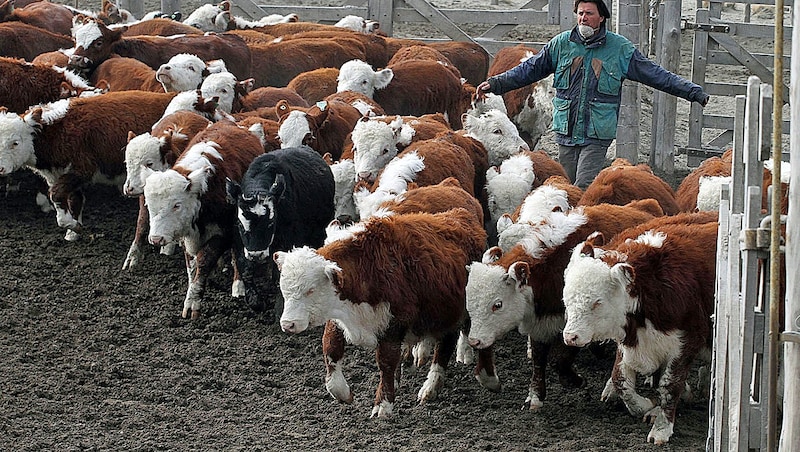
(790, 429)
(665, 106)
(171, 6)
(382, 11)
(699, 63)
(627, 24)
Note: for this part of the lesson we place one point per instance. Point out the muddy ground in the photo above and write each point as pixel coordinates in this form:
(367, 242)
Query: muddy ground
(96, 358)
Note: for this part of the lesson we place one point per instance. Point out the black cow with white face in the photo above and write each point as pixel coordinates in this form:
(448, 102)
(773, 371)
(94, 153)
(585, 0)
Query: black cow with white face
(285, 200)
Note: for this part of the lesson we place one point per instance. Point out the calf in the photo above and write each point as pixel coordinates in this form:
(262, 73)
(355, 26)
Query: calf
(687, 194)
(25, 84)
(323, 127)
(499, 136)
(78, 140)
(653, 294)
(523, 288)
(124, 74)
(376, 141)
(45, 15)
(20, 40)
(622, 183)
(413, 87)
(530, 107)
(285, 200)
(156, 150)
(94, 43)
(187, 203)
(184, 72)
(357, 282)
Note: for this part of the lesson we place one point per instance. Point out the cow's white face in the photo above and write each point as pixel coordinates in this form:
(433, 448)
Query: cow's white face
(308, 290)
(294, 130)
(16, 143)
(173, 202)
(358, 76)
(142, 155)
(204, 18)
(596, 299)
(497, 133)
(497, 301)
(344, 177)
(375, 145)
(183, 72)
(223, 86)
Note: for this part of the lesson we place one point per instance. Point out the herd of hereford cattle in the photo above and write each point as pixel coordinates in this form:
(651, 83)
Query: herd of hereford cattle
(354, 176)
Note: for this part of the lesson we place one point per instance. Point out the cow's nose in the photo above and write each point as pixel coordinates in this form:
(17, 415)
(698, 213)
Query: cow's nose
(288, 327)
(475, 343)
(524, 147)
(157, 240)
(570, 339)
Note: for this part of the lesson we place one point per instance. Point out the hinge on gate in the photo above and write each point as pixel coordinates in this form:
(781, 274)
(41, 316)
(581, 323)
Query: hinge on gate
(709, 28)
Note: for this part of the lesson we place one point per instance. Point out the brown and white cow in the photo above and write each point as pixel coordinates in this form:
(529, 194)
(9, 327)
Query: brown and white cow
(356, 282)
(187, 203)
(25, 84)
(530, 107)
(651, 290)
(94, 43)
(156, 150)
(522, 288)
(45, 15)
(75, 141)
(622, 183)
(20, 40)
(323, 126)
(316, 84)
(184, 72)
(414, 87)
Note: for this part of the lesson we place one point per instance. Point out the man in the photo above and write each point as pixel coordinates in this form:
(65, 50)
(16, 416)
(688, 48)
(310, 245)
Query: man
(589, 64)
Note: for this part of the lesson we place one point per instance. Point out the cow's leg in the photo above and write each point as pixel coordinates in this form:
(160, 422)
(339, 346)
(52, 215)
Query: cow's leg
(205, 262)
(565, 364)
(537, 390)
(388, 357)
(332, 353)
(422, 350)
(238, 286)
(464, 353)
(139, 237)
(485, 371)
(624, 379)
(436, 375)
(671, 386)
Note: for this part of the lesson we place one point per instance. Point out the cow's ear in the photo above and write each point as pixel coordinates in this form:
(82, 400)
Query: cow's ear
(282, 108)
(224, 5)
(232, 191)
(585, 249)
(131, 135)
(103, 86)
(3, 109)
(328, 158)
(335, 276)
(596, 239)
(278, 187)
(519, 272)
(504, 222)
(383, 77)
(624, 274)
(34, 117)
(247, 85)
(492, 255)
(279, 257)
(65, 90)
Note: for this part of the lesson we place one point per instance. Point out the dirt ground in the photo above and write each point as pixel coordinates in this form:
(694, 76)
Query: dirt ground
(96, 358)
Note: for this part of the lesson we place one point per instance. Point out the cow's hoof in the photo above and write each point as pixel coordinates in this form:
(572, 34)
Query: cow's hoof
(661, 431)
(383, 409)
(490, 382)
(71, 236)
(195, 314)
(609, 392)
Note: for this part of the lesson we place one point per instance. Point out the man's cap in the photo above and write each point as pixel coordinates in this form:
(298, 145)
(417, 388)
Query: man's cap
(601, 7)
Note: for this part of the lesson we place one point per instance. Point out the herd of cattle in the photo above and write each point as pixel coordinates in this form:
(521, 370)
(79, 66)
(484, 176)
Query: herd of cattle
(354, 175)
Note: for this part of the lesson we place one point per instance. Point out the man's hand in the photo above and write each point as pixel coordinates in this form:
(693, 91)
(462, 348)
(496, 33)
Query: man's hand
(704, 99)
(481, 90)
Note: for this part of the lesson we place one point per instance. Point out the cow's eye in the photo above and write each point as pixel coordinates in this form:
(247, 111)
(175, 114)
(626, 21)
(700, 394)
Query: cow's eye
(176, 206)
(149, 164)
(98, 43)
(497, 132)
(497, 305)
(596, 304)
(191, 68)
(309, 292)
(385, 151)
